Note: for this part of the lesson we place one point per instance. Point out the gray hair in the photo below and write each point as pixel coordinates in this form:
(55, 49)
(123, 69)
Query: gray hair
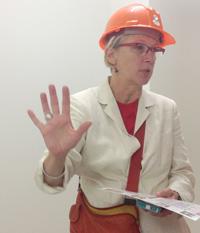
(111, 44)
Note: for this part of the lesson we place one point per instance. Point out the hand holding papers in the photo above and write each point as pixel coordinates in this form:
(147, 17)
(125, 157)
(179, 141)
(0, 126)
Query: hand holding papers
(150, 202)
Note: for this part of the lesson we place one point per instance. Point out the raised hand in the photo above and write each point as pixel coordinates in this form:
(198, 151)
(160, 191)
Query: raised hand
(58, 132)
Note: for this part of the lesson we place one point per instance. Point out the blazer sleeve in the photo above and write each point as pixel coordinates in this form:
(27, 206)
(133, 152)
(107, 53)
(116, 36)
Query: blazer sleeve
(181, 178)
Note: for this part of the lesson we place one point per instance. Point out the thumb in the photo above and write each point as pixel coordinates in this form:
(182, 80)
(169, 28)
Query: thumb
(84, 127)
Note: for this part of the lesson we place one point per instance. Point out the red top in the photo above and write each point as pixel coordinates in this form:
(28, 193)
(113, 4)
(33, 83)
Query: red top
(128, 113)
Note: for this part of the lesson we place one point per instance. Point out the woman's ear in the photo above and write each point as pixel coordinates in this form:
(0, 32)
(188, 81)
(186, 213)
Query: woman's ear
(110, 56)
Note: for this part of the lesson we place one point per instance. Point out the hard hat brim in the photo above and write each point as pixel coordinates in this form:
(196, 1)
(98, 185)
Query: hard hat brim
(167, 39)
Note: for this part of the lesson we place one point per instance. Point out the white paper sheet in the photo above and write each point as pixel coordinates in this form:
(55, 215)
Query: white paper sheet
(186, 209)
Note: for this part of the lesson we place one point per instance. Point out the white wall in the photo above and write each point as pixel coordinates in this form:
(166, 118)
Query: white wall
(177, 73)
(41, 42)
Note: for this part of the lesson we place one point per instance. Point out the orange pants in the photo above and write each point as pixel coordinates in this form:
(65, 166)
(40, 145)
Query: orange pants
(83, 220)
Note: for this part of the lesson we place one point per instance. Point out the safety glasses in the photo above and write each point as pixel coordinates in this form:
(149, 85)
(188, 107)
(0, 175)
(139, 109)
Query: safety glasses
(142, 49)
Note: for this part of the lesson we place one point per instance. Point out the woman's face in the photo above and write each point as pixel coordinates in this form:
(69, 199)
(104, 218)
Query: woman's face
(133, 58)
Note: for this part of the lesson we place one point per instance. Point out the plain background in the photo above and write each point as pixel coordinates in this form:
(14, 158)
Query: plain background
(47, 41)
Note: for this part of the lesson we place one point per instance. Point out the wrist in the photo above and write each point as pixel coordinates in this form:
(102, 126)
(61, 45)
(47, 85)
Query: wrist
(53, 177)
(56, 159)
(53, 167)
(177, 195)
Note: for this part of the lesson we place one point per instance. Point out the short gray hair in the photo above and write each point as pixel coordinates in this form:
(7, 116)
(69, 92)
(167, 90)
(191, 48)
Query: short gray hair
(111, 44)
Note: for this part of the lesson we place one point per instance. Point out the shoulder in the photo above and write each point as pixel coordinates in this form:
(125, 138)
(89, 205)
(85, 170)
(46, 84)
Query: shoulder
(85, 94)
(160, 104)
(85, 97)
(84, 101)
(159, 99)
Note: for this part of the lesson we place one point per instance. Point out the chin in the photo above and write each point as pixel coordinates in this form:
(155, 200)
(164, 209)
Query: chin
(145, 79)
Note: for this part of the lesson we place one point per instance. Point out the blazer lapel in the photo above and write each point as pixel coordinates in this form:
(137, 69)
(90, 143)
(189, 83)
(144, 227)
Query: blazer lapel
(109, 104)
(143, 109)
(144, 105)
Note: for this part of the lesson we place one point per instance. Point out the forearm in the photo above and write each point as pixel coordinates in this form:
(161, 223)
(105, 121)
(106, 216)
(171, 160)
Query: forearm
(53, 170)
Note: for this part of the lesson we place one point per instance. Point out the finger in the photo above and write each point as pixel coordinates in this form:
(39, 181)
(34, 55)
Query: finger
(35, 120)
(54, 99)
(168, 193)
(84, 127)
(66, 103)
(164, 193)
(45, 104)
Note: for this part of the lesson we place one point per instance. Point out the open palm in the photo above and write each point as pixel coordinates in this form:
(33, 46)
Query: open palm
(58, 132)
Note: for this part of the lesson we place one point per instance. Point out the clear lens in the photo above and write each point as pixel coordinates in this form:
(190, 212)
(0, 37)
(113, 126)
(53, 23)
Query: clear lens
(143, 49)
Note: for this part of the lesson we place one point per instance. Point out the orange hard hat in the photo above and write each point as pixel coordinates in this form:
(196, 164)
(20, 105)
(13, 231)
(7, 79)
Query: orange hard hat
(135, 15)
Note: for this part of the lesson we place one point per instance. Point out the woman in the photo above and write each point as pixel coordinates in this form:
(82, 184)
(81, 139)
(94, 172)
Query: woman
(118, 135)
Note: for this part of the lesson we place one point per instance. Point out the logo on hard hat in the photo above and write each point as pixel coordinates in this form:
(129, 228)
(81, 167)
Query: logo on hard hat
(156, 20)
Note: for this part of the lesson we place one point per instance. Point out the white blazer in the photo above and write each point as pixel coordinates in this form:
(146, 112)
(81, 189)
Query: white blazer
(102, 157)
